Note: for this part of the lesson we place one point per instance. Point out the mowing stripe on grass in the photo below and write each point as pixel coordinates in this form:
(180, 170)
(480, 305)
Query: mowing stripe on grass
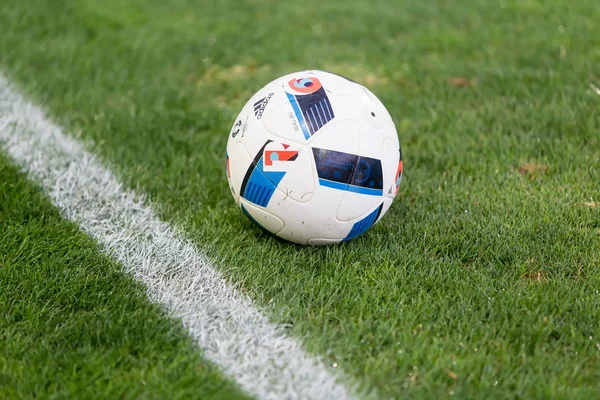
(231, 331)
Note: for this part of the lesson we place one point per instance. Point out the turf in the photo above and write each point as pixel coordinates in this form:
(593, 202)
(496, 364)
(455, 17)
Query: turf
(481, 282)
(73, 326)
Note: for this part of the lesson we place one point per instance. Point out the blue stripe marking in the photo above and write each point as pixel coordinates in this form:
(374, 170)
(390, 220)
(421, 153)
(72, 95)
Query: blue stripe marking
(316, 107)
(329, 110)
(350, 188)
(313, 124)
(263, 195)
(333, 185)
(322, 118)
(323, 111)
(363, 225)
(258, 194)
(364, 190)
(312, 111)
(298, 113)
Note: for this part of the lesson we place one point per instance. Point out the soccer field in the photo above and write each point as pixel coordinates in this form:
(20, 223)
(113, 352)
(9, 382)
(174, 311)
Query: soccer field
(481, 282)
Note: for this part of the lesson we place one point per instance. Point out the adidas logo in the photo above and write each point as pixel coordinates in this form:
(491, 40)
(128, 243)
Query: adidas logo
(259, 106)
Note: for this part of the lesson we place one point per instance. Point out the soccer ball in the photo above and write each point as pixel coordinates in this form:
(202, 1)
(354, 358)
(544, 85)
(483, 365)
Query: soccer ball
(314, 158)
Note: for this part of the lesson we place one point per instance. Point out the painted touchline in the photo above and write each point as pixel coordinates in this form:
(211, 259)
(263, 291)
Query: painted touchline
(228, 327)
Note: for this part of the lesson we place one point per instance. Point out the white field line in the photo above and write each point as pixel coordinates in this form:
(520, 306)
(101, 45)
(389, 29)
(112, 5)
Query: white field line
(230, 330)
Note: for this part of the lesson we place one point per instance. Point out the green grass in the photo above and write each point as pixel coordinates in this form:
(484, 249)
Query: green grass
(73, 326)
(481, 282)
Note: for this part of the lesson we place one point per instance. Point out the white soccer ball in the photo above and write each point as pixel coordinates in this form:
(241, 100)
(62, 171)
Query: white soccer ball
(314, 158)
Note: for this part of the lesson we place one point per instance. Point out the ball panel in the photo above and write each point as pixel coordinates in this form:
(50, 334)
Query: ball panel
(298, 182)
(287, 167)
(340, 135)
(259, 185)
(361, 226)
(307, 110)
(262, 218)
(314, 219)
(355, 205)
(281, 122)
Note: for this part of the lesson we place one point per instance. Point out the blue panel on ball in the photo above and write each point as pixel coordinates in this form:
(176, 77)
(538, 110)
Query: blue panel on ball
(316, 108)
(313, 110)
(364, 224)
(349, 172)
(261, 185)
